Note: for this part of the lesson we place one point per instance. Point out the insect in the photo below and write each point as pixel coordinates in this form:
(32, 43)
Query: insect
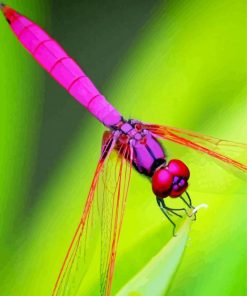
(135, 145)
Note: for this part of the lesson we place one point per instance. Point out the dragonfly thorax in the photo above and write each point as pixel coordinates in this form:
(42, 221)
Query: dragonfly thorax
(148, 154)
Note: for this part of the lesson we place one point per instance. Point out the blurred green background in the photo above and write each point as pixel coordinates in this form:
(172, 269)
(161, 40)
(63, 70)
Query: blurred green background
(178, 63)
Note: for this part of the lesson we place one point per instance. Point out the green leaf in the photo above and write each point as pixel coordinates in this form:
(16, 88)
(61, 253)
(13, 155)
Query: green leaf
(155, 277)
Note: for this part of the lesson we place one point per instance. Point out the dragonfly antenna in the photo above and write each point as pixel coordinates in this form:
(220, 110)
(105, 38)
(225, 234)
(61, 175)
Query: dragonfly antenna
(2, 6)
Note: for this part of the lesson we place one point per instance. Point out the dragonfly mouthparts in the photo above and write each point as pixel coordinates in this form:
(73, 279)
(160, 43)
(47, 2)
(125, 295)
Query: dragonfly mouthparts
(2, 6)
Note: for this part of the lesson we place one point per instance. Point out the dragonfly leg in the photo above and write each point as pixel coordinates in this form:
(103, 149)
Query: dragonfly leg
(189, 204)
(174, 210)
(169, 211)
(185, 201)
(189, 199)
(162, 206)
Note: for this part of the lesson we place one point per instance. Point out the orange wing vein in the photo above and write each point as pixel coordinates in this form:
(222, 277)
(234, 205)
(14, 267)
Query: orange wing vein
(105, 206)
(229, 152)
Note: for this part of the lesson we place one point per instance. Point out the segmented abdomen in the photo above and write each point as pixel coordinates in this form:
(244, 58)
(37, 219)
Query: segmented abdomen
(63, 68)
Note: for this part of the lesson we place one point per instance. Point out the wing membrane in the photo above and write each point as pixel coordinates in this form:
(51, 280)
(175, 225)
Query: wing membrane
(106, 199)
(233, 153)
(112, 216)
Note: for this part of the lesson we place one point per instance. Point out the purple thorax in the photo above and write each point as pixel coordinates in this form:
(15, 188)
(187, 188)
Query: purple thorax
(148, 154)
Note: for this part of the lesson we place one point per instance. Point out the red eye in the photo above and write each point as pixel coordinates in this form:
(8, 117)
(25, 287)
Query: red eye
(178, 168)
(162, 182)
(171, 180)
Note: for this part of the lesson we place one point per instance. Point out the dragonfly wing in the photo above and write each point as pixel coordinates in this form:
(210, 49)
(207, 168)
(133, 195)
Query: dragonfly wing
(51, 56)
(106, 199)
(112, 212)
(65, 277)
(232, 153)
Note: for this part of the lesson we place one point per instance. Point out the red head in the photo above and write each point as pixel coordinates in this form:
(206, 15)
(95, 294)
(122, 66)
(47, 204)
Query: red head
(170, 180)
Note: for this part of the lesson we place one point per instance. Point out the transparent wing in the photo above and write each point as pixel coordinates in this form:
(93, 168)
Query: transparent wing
(102, 215)
(117, 180)
(232, 153)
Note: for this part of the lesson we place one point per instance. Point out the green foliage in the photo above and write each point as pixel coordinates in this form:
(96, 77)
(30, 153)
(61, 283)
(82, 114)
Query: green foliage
(186, 69)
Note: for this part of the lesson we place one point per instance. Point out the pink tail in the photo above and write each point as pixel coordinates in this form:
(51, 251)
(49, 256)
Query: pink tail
(63, 68)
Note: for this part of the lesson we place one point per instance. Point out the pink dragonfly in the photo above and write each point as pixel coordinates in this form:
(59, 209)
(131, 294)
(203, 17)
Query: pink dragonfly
(132, 143)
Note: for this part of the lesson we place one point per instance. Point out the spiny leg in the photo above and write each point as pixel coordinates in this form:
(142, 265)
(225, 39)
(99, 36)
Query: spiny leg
(160, 203)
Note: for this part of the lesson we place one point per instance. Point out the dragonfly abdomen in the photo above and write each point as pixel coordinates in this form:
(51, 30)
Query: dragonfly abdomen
(49, 54)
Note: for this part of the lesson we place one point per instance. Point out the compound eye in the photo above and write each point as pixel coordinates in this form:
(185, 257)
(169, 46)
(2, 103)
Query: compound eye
(180, 174)
(171, 180)
(138, 127)
(178, 168)
(162, 182)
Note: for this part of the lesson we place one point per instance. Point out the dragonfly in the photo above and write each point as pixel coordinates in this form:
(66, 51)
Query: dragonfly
(130, 144)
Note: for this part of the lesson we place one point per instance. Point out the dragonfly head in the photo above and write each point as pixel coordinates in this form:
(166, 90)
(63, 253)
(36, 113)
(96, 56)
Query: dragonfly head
(171, 179)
